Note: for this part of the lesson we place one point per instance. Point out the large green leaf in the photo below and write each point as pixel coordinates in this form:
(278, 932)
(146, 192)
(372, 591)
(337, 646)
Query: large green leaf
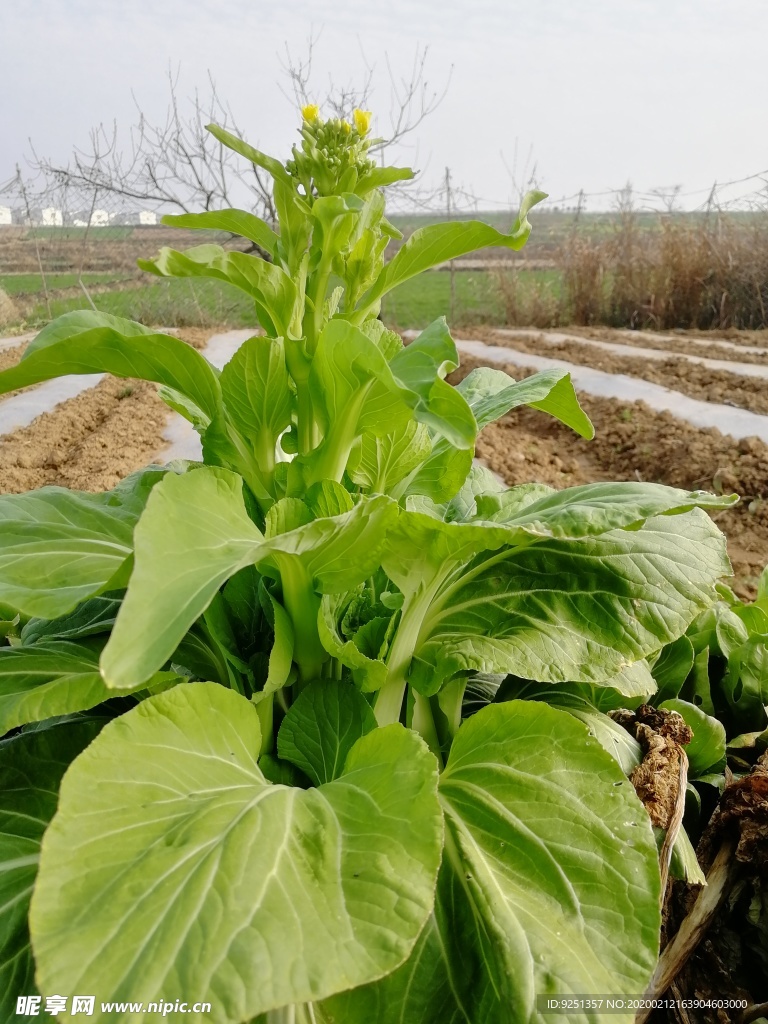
(195, 533)
(52, 678)
(91, 342)
(321, 727)
(173, 865)
(346, 366)
(553, 609)
(257, 394)
(58, 547)
(238, 222)
(31, 767)
(356, 391)
(271, 289)
(48, 679)
(421, 990)
(549, 884)
(491, 393)
(592, 509)
(381, 463)
(420, 367)
(91, 618)
(437, 243)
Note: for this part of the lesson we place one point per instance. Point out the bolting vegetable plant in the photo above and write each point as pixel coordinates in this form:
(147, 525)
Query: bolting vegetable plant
(267, 684)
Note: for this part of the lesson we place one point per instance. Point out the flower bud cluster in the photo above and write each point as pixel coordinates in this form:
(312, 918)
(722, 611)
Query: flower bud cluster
(333, 155)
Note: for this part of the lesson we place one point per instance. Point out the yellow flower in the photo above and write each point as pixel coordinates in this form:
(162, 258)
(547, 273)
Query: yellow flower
(362, 121)
(311, 112)
(346, 127)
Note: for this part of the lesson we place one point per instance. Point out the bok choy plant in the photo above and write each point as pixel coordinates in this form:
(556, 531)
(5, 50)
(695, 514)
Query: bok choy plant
(256, 748)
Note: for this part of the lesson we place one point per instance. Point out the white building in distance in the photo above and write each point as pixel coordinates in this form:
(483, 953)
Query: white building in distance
(100, 219)
(6, 217)
(147, 217)
(51, 217)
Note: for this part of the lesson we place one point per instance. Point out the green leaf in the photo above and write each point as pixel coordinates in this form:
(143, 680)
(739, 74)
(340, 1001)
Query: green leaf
(173, 865)
(420, 368)
(547, 849)
(707, 748)
(421, 990)
(256, 391)
(345, 368)
(281, 653)
(492, 393)
(443, 473)
(326, 498)
(49, 679)
(745, 684)
(31, 767)
(53, 678)
(380, 177)
(565, 610)
(267, 163)
(369, 673)
(381, 463)
(58, 547)
(592, 509)
(437, 243)
(195, 533)
(684, 863)
(630, 688)
(91, 342)
(322, 726)
(672, 668)
(91, 618)
(272, 290)
(480, 484)
(237, 222)
(614, 739)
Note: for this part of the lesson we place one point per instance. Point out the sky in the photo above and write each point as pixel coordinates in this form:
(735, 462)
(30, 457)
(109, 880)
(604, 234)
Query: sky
(590, 95)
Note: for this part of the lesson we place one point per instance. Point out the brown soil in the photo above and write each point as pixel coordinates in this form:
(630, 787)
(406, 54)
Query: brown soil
(92, 441)
(684, 344)
(88, 443)
(633, 442)
(10, 356)
(693, 379)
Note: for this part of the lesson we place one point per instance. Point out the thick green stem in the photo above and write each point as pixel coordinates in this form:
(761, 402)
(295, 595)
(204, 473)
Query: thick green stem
(264, 709)
(303, 606)
(306, 425)
(424, 724)
(389, 700)
(264, 451)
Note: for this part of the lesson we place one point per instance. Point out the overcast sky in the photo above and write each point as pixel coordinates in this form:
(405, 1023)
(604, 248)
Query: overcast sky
(657, 92)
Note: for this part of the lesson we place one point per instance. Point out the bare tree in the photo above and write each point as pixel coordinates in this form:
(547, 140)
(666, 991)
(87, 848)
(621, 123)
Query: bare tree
(175, 163)
(172, 163)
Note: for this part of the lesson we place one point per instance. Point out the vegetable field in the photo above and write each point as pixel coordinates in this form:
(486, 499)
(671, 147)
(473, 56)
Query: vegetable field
(360, 676)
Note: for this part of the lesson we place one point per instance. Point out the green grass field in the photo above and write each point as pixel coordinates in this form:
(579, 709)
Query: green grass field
(172, 303)
(31, 284)
(420, 301)
(180, 303)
